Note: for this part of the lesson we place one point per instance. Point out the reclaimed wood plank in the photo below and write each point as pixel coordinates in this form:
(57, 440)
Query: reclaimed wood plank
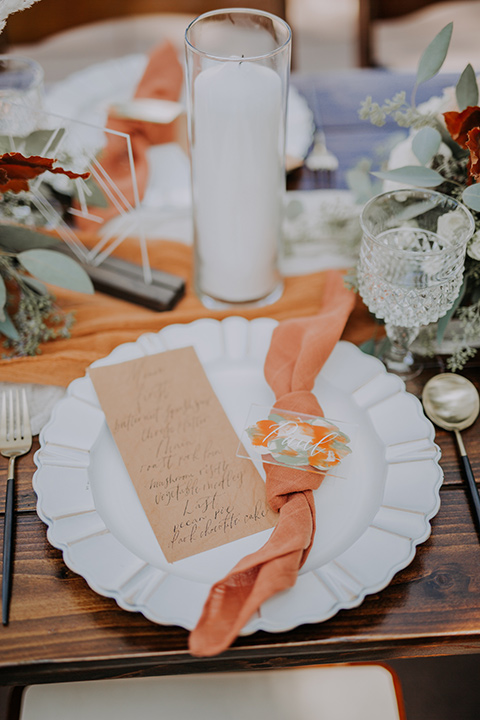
(59, 625)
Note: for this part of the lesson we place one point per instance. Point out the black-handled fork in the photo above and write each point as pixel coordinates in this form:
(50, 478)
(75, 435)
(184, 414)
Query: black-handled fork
(15, 440)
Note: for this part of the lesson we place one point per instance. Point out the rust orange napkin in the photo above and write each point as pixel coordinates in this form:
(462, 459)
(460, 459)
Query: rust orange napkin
(162, 80)
(298, 350)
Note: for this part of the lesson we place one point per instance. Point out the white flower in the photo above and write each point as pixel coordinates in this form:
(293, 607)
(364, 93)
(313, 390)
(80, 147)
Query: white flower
(451, 224)
(7, 7)
(402, 155)
(473, 249)
(437, 105)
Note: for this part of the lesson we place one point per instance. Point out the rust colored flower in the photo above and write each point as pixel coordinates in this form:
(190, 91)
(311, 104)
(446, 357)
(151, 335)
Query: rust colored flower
(459, 124)
(16, 170)
(473, 144)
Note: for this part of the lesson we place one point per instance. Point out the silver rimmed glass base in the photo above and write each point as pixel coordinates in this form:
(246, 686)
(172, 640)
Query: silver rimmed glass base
(397, 357)
(215, 304)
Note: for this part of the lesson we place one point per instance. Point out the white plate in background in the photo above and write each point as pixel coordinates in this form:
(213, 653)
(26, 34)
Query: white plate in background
(165, 210)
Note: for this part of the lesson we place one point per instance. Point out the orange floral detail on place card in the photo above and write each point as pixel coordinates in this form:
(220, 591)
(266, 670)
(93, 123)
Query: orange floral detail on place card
(315, 444)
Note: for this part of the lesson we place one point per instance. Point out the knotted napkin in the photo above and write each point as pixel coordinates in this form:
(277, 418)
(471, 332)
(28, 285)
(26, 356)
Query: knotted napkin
(298, 350)
(162, 80)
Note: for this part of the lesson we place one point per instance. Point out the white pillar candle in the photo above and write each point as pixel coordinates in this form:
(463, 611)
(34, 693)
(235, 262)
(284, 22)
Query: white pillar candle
(238, 179)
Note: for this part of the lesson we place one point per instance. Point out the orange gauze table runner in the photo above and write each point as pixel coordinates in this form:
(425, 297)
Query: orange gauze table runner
(298, 350)
(103, 322)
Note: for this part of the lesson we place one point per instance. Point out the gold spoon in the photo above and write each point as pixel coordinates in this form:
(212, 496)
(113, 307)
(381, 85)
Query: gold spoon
(451, 402)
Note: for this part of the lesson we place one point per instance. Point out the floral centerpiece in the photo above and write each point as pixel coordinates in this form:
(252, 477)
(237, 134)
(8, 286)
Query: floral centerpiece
(441, 151)
(30, 258)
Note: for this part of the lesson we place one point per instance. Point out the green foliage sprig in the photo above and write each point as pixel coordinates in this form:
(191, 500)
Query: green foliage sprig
(28, 313)
(30, 261)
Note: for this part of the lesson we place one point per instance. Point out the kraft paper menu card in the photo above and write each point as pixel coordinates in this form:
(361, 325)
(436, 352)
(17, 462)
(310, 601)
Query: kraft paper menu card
(179, 449)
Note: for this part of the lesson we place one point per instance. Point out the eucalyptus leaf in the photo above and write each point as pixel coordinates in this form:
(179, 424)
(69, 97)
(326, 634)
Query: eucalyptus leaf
(457, 151)
(466, 90)
(360, 183)
(368, 347)
(434, 55)
(374, 347)
(294, 209)
(3, 298)
(382, 347)
(8, 329)
(7, 143)
(35, 284)
(471, 197)
(94, 195)
(56, 269)
(413, 211)
(412, 175)
(40, 142)
(16, 238)
(425, 144)
(445, 319)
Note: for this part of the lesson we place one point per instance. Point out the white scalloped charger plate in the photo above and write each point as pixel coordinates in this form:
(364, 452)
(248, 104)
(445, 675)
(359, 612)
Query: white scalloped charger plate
(368, 526)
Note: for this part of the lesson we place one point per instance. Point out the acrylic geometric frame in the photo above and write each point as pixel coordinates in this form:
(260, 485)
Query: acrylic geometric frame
(76, 145)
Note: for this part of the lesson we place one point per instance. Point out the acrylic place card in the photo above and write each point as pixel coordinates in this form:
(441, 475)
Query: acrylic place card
(179, 449)
(298, 441)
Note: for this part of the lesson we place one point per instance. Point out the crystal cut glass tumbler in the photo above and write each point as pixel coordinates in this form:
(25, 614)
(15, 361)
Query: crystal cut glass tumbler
(238, 64)
(411, 262)
(21, 94)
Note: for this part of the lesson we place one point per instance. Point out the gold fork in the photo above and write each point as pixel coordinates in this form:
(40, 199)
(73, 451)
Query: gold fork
(15, 440)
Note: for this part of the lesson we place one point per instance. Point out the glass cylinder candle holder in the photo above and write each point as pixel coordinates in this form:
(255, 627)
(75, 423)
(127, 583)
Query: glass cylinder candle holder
(238, 64)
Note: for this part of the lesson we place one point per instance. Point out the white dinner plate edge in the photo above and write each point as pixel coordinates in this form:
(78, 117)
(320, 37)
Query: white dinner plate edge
(258, 622)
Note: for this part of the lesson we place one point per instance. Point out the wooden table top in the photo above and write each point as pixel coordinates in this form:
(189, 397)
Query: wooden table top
(59, 627)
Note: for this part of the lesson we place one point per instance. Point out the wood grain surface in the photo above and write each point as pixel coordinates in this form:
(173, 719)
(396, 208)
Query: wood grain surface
(60, 628)
(59, 625)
